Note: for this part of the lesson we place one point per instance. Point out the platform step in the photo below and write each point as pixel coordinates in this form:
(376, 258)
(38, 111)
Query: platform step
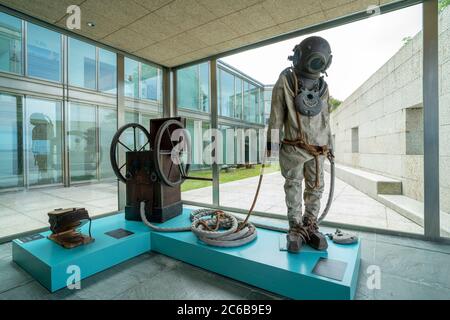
(387, 191)
(413, 210)
(367, 182)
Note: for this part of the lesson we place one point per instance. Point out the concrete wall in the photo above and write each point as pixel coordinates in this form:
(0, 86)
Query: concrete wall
(388, 112)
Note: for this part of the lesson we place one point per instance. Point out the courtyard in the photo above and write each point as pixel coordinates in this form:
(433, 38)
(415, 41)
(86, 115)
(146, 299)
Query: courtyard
(26, 211)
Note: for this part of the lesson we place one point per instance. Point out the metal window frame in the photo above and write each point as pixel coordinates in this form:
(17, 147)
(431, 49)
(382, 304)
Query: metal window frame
(64, 97)
(97, 68)
(430, 99)
(214, 125)
(121, 190)
(431, 119)
(431, 115)
(61, 54)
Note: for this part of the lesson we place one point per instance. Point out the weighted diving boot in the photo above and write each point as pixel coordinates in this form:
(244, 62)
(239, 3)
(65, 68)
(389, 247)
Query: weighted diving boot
(315, 238)
(295, 238)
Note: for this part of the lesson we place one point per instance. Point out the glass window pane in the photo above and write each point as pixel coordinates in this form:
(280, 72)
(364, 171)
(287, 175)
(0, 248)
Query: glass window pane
(204, 86)
(10, 44)
(380, 94)
(44, 123)
(44, 53)
(107, 71)
(253, 103)
(150, 83)
(11, 155)
(239, 98)
(131, 78)
(107, 120)
(82, 142)
(131, 117)
(193, 190)
(226, 90)
(261, 105)
(128, 136)
(145, 122)
(267, 103)
(82, 66)
(188, 88)
(246, 101)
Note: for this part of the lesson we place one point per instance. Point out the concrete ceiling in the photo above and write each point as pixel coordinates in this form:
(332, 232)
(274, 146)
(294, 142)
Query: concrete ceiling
(174, 32)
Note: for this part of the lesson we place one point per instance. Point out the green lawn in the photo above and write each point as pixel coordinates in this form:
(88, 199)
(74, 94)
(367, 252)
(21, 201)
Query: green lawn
(237, 174)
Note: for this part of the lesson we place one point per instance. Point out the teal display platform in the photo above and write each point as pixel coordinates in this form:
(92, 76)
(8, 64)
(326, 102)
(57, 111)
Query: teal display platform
(260, 263)
(48, 263)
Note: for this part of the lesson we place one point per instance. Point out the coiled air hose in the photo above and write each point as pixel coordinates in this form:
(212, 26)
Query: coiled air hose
(221, 229)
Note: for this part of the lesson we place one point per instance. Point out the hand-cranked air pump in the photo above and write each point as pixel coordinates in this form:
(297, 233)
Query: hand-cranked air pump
(153, 174)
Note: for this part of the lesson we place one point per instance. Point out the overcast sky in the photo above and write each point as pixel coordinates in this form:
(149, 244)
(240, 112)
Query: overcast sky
(359, 50)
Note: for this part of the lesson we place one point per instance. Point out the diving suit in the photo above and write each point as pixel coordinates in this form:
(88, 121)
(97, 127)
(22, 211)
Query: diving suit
(300, 111)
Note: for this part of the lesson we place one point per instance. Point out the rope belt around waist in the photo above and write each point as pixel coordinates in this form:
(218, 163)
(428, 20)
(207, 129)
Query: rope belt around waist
(313, 150)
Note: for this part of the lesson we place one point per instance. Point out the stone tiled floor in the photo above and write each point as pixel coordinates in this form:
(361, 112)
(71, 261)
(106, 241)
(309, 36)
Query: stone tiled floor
(410, 269)
(350, 206)
(27, 210)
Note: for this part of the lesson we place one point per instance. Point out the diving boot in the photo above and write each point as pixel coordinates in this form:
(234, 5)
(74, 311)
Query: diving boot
(295, 239)
(315, 238)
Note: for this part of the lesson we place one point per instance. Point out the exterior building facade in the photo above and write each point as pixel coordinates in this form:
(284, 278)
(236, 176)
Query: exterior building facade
(240, 107)
(58, 99)
(59, 104)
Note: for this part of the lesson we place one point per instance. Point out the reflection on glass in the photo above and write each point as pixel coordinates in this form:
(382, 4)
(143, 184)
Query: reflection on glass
(229, 145)
(150, 83)
(128, 136)
(43, 121)
(239, 98)
(10, 44)
(194, 190)
(188, 88)
(44, 53)
(11, 155)
(82, 66)
(261, 106)
(193, 87)
(267, 103)
(204, 86)
(246, 108)
(107, 71)
(131, 117)
(253, 104)
(145, 122)
(107, 119)
(226, 93)
(131, 78)
(82, 143)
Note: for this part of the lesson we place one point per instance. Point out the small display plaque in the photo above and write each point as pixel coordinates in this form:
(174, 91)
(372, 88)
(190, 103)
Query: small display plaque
(329, 268)
(119, 233)
(30, 238)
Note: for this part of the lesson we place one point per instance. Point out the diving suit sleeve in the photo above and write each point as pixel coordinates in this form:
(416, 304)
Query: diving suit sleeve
(277, 113)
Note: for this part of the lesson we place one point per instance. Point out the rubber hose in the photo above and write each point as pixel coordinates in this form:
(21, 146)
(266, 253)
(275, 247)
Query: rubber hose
(229, 237)
(330, 193)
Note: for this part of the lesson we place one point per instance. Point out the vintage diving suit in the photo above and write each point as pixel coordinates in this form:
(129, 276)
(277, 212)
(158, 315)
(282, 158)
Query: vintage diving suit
(300, 111)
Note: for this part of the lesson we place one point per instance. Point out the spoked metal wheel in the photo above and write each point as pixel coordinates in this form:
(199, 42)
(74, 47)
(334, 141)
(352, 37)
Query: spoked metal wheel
(134, 147)
(172, 158)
